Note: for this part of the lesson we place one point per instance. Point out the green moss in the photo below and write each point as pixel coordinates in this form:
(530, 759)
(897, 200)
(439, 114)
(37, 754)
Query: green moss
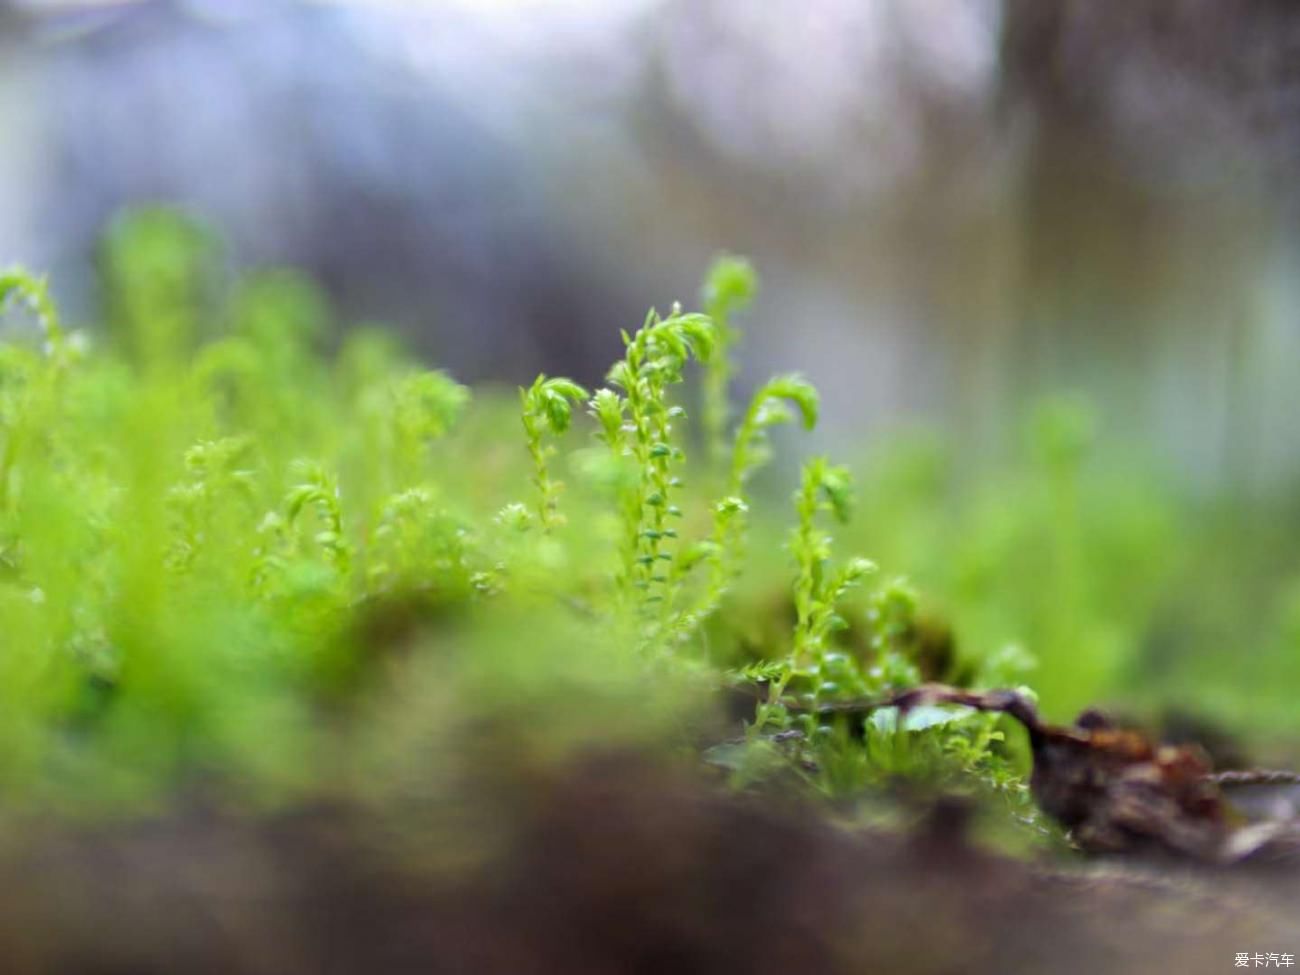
(213, 535)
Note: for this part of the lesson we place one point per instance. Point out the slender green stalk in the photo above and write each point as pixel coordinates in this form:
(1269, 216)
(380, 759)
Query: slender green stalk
(817, 589)
(426, 405)
(653, 362)
(318, 491)
(15, 282)
(547, 407)
(30, 413)
(729, 286)
(724, 550)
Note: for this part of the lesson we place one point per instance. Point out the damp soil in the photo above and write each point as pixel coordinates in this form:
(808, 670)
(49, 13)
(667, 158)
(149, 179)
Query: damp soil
(614, 862)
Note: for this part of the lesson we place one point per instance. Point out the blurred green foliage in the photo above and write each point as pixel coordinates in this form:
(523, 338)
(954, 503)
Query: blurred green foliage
(1131, 588)
(229, 555)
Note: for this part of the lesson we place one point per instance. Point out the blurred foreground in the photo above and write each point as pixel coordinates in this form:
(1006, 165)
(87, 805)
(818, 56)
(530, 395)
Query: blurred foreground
(611, 864)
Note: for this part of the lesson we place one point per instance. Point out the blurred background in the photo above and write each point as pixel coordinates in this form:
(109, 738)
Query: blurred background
(960, 209)
(955, 204)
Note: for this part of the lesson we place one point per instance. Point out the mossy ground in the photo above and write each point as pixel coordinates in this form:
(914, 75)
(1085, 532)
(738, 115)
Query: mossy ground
(264, 569)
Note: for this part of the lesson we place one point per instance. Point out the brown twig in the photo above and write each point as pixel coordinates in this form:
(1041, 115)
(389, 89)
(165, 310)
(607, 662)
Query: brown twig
(1115, 790)
(1255, 776)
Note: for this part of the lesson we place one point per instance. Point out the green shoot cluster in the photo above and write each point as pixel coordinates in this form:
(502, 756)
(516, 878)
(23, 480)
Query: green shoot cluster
(211, 530)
